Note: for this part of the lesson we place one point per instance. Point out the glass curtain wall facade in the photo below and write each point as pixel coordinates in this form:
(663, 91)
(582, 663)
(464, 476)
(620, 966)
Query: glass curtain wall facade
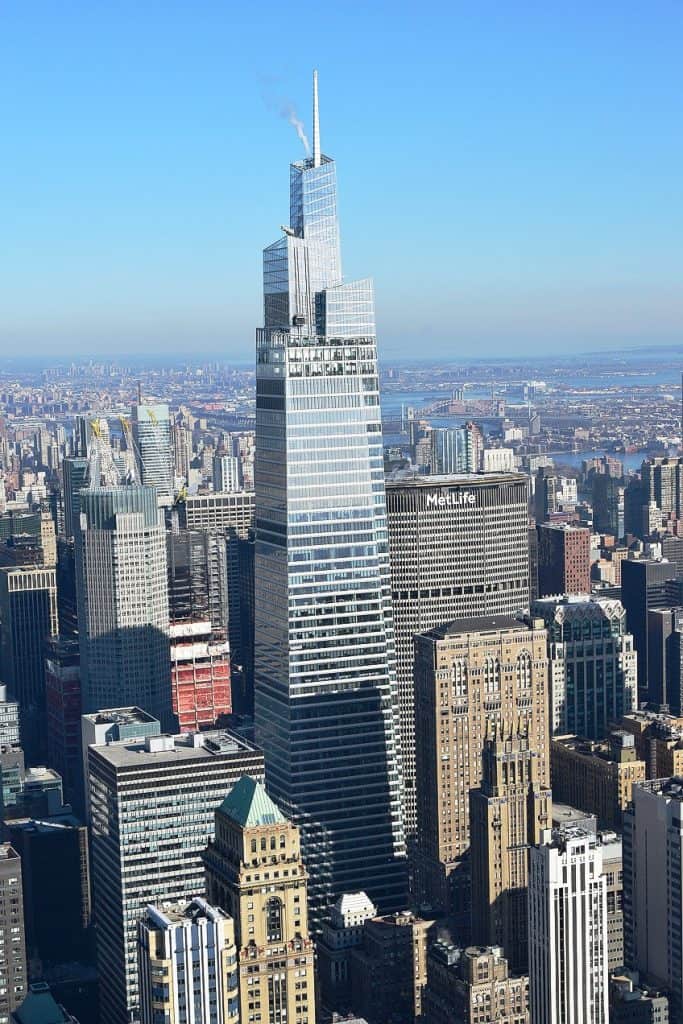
(151, 426)
(325, 681)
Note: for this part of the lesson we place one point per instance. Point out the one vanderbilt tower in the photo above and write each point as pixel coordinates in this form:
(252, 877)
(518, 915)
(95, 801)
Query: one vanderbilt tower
(325, 683)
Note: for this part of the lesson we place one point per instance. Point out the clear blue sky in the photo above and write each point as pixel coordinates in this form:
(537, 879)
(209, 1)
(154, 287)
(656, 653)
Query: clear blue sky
(511, 173)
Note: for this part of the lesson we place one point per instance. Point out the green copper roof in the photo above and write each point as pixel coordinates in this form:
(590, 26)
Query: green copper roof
(249, 805)
(40, 1007)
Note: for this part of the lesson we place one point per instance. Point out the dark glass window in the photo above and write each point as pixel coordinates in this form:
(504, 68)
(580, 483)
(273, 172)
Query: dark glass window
(274, 919)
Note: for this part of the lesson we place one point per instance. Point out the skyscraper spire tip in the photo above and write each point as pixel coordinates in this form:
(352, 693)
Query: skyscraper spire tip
(316, 122)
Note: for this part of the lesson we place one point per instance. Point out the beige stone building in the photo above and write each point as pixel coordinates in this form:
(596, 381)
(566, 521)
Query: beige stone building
(255, 873)
(596, 776)
(389, 968)
(507, 816)
(613, 870)
(659, 742)
(472, 678)
(473, 986)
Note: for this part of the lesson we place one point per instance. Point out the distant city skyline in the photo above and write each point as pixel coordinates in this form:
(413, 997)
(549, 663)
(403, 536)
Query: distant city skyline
(637, 359)
(510, 175)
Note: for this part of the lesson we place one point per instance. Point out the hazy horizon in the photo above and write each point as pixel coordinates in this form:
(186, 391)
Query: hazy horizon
(179, 359)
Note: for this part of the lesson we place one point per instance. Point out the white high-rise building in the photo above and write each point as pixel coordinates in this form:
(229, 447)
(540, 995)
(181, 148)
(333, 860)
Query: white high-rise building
(154, 455)
(653, 877)
(188, 965)
(498, 460)
(9, 719)
(122, 592)
(568, 975)
(227, 474)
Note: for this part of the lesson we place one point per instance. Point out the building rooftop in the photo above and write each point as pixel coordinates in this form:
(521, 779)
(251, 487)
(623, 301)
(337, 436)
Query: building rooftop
(446, 952)
(564, 527)
(249, 805)
(399, 919)
(560, 838)
(168, 914)
(574, 599)
(40, 776)
(120, 716)
(612, 846)
(626, 986)
(452, 955)
(665, 726)
(166, 748)
(480, 624)
(617, 748)
(409, 478)
(211, 497)
(565, 599)
(669, 789)
(40, 1007)
(354, 903)
(564, 815)
(574, 606)
(47, 825)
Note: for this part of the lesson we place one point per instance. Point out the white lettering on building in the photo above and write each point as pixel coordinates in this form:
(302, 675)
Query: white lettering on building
(451, 499)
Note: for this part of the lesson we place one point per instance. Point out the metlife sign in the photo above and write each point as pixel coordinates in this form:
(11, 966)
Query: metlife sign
(450, 499)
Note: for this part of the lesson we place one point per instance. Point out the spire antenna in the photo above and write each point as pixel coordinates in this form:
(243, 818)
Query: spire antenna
(316, 123)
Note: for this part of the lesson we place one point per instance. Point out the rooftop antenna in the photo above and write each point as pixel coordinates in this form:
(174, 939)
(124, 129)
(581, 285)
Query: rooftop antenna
(316, 122)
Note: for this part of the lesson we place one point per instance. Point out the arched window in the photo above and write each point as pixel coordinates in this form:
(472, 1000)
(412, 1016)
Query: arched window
(274, 919)
(492, 675)
(524, 670)
(459, 676)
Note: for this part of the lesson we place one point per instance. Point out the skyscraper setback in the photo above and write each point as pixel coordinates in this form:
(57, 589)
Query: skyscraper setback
(325, 689)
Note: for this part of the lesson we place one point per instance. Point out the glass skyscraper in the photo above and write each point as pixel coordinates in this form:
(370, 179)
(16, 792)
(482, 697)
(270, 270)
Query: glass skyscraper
(325, 679)
(151, 428)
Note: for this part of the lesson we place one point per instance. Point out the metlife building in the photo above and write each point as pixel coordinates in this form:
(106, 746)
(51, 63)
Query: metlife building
(459, 549)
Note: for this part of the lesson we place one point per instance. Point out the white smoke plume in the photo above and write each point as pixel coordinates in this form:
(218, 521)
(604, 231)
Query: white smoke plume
(283, 107)
(290, 115)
